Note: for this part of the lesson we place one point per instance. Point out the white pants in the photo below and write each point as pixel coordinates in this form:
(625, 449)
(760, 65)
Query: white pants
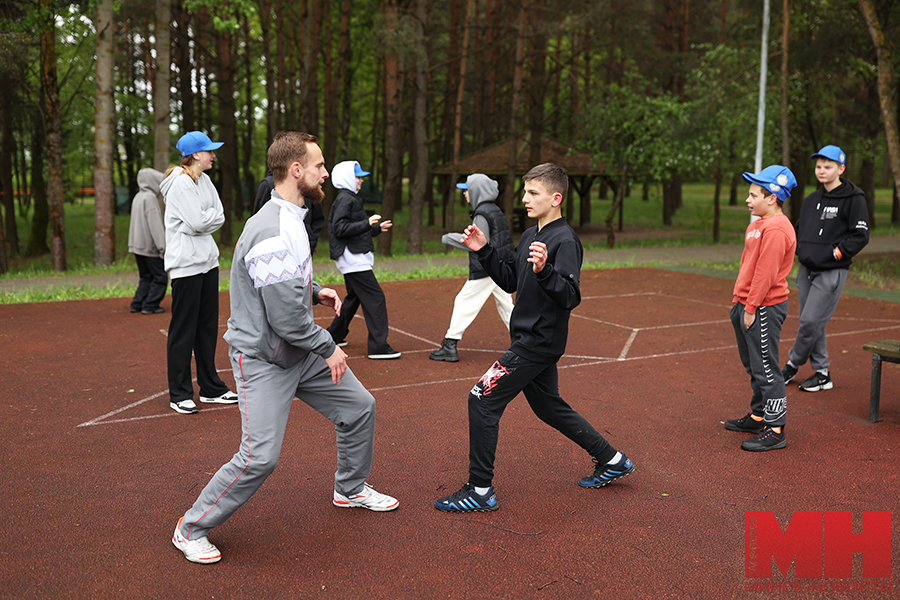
(469, 301)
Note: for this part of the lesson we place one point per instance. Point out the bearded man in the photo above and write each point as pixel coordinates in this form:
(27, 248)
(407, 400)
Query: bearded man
(277, 352)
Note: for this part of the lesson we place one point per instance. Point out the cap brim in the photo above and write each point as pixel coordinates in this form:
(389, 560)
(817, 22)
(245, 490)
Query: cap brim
(462, 186)
(362, 173)
(214, 146)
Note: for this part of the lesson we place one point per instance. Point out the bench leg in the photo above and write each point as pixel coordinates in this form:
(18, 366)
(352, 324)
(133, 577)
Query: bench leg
(875, 395)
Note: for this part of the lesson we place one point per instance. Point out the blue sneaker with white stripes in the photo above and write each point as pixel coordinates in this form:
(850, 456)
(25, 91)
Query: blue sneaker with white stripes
(605, 474)
(467, 500)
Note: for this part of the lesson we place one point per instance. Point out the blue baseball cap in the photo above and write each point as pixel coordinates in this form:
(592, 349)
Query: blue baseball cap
(463, 186)
(196, 141)
(776, 179)
(357, 170)
(831, 153)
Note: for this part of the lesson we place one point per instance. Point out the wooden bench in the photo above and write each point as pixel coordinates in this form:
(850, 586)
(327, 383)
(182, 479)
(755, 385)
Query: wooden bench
(883, 351)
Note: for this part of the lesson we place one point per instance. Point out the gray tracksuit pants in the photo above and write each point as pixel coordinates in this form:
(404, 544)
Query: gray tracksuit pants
(818, 293)
(758, 349)
(266, 393)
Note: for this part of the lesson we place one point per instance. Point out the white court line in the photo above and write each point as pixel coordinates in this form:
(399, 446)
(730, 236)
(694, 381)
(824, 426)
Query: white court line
(592, 360)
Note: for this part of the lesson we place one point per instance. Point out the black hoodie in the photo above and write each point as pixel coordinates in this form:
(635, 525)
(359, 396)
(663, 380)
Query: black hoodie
(838, 218)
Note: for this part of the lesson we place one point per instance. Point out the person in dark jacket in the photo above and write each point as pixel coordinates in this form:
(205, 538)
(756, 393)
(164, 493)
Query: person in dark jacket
(147, 241)
(833, 227)
(481, 192)
(350, 234)
(545, 275)
(315, 216)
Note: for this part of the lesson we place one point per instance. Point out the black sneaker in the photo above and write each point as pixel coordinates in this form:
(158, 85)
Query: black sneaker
(387, 354)
(745, 424)
(468, 500)
(817, 382)
(606, 473)
(789, 372)
(766, 439)
(447, 352)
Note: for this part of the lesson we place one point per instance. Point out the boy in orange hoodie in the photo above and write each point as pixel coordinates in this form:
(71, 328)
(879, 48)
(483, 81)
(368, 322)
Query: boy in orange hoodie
(760, 306)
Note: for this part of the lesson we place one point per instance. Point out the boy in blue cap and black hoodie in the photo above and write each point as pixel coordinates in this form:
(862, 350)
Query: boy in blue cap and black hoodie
(760, 306)
(833, 227)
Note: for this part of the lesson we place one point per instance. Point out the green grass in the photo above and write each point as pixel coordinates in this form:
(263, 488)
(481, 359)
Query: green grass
(692, 225)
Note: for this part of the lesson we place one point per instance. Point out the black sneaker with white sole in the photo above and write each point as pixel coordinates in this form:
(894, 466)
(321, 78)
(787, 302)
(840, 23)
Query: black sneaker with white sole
(817, 382)
(789, 372)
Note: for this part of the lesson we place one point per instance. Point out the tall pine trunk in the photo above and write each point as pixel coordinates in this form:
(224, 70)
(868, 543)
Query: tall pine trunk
(393, 138)
(419, 179)
(52, 120)
(104, 114)
(161, 84)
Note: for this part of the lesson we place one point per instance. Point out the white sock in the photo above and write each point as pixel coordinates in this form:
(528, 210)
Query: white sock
(482, 491)
(615, 458)
(823, 372)
(790, 364)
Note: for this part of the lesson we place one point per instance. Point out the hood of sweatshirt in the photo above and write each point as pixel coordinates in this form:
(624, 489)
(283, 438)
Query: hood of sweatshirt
(148, 180)
(481, 189)
(845, 190)
(167, 182)
(343, 175)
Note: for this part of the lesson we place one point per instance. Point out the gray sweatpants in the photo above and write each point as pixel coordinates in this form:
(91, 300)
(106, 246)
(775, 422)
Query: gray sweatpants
(818, 293)
(758, 349)
(266, 393)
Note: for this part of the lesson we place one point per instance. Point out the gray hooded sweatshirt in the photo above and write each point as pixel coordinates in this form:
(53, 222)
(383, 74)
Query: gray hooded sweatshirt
(146, 232)
(193, 213)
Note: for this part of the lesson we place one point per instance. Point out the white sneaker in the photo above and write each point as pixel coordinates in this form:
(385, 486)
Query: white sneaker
(199, 550)
(185, 407)
(367, 498)
(226, 398)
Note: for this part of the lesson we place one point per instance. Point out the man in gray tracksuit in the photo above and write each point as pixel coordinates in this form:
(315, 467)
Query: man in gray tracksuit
(278, 352)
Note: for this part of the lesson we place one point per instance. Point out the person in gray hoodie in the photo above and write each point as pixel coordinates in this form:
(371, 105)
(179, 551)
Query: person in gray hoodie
(193, 213)
(481, 192)
(147, 241)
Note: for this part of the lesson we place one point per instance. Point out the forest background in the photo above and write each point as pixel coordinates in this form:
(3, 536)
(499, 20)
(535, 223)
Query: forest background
(660, 94)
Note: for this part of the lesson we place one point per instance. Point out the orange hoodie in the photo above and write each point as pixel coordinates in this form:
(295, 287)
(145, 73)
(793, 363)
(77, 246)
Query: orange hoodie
(767, 259)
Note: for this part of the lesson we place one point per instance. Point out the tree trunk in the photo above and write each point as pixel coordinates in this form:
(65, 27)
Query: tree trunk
(393, 132)
(618, 198)
(104, 131)
(717, 211)
(249, 180)
(509, 193)
(228, 152)
(345, 56)
(278, 99)
(886, 90)
(457, 116)
(537, 88)
(331, 105)
(40, 221)
(9, 233)
(311, 106)
(161, 85)
(785, 121)
(53, 134)
(185, 68)
(265, 21)
(419, 179)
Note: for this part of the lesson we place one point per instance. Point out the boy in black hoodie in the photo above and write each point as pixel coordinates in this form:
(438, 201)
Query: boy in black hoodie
(545, 275)
(833, 227)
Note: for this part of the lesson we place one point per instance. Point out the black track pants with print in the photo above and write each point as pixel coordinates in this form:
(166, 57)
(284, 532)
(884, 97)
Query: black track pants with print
(540, 383)
(758, 348)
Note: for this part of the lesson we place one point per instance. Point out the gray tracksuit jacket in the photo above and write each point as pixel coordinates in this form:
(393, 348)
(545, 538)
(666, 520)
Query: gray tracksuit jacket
(272, 291)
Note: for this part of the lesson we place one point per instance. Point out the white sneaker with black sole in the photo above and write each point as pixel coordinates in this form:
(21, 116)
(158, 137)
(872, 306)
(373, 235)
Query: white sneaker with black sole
(226, 398)
(185, 407)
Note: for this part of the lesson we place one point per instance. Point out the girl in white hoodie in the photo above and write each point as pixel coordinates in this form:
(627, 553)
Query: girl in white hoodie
(193, 213)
